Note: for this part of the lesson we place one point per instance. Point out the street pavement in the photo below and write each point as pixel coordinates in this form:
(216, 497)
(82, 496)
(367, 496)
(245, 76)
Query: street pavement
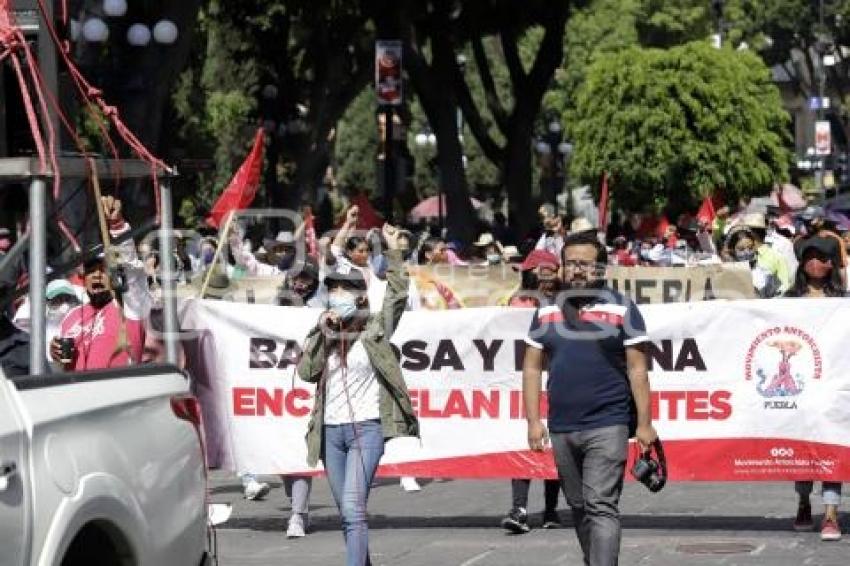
(456, 522)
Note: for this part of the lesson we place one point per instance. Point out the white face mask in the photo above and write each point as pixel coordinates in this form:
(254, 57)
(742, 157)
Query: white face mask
(494, 258)
(56, 314)
(342, 304)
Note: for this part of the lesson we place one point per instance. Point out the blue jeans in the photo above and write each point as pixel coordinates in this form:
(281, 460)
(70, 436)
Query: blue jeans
(351, 455)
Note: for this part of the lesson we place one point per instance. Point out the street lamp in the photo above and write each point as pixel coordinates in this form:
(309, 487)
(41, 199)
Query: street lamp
(427, 139)
(554, 152)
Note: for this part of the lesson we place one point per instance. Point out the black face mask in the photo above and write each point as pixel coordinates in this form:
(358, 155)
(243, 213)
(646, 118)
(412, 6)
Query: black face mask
(100, 299)
(285, 261)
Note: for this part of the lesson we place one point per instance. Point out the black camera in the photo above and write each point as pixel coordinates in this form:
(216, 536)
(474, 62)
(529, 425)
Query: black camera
(651, 472)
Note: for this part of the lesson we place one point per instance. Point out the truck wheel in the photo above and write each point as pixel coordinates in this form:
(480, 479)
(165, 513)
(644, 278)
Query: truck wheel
(98, 544)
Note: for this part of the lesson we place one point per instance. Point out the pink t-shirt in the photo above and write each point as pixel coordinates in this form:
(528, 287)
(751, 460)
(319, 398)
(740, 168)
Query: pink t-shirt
(96, 332)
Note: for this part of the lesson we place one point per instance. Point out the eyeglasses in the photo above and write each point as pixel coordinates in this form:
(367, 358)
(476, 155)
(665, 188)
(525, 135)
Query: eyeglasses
(579, 265)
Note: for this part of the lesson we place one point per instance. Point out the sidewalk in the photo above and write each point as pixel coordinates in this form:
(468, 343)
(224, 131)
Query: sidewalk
(456, 523)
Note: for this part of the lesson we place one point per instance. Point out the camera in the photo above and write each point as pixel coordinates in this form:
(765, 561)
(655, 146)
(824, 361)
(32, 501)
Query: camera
(651, 472)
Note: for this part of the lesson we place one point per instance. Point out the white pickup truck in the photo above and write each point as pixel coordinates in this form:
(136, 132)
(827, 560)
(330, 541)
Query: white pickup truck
(102, 468)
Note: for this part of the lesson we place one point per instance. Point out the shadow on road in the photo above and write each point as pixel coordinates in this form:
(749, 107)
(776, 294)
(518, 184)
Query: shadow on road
(630, 522)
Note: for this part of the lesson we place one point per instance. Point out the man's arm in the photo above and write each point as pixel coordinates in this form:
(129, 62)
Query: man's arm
(349, 226)
(532, 378)
(636, 366)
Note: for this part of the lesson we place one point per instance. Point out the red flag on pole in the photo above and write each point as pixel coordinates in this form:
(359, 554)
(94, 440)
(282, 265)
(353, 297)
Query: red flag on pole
(242, 189)
(603, 204)
(310, 233)
(706, 212)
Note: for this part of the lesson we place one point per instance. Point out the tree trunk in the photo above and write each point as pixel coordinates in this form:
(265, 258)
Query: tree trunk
(518, 176)
(459, 212)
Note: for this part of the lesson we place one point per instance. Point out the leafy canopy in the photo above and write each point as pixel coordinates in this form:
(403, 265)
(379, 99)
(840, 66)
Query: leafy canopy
(672, 126)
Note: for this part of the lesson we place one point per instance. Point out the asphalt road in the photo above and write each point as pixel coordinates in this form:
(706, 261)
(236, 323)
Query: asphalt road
(456, 522)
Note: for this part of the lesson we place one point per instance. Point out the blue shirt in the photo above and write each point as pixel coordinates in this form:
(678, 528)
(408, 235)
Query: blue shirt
(588, 383)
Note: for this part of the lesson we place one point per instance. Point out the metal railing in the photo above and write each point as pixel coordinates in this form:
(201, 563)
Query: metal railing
(24, 169)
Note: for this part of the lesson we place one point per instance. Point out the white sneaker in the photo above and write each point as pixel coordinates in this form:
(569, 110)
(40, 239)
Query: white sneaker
(255, 490)
(297, 526)
(410, 484)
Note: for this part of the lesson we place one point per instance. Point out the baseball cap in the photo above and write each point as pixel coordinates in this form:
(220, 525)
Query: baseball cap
(346, 276)
(59, 287)
(537, 258)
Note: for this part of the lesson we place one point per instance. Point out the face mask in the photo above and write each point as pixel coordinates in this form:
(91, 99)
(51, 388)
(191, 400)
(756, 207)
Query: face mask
(285, 262)
(644, 254)
(815, 269)
(494, 258)
(58, 313)
(343, 305)
(745, 255)
(100, 299)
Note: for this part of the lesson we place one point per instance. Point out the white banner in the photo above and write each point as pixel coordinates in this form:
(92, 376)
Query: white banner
(743, 390)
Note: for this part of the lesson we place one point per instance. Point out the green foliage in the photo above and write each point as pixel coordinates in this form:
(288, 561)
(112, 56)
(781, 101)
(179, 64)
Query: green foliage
(215, 103)
(357, 144)
(604, 26)
(673, 126)
(664, 23)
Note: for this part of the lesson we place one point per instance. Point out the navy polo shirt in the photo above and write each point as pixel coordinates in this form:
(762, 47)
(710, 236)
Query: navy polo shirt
(588, 383)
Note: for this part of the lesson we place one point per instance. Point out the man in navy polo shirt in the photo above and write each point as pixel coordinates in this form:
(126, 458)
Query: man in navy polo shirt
(593, 340)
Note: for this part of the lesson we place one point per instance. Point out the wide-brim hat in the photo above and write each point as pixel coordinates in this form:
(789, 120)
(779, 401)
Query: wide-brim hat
(755, 220)
(484, 240)
(218, 287)
(511, 253)
(581, 224)
(284, 238)
(827, 246)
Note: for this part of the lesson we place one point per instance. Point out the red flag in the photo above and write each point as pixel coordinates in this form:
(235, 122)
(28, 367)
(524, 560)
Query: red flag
(368, 217)
(242, 189)
(310, 233)
(706, 212)
(603, 204)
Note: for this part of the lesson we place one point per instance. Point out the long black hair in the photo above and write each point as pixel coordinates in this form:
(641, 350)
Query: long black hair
(832, 288)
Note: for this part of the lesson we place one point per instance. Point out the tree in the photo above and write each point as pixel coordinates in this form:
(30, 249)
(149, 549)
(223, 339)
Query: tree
(528, 84)
(673, 126)
(292, 66)
(788, 33)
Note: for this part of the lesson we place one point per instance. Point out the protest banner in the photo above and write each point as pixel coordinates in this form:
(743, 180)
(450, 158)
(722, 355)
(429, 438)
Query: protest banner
(742, 390)
(654, 285)
(447, 286)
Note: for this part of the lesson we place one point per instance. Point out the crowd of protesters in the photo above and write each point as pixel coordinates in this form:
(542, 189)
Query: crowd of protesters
(105, 313)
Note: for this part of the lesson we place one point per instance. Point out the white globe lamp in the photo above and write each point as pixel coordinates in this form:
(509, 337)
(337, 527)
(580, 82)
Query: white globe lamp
(138, 35)
(115, 8)
(95, 30)
(165, 32)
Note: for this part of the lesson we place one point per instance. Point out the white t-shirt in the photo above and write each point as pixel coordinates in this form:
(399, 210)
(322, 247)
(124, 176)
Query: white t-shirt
(353, 395)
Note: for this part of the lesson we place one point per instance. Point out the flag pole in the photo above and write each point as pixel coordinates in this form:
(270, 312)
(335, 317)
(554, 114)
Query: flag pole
(222, 238)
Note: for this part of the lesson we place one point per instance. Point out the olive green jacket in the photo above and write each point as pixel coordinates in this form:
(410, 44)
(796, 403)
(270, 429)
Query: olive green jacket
(396, 410)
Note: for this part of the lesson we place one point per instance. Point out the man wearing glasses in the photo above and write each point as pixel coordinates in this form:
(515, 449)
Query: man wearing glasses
(593, 340)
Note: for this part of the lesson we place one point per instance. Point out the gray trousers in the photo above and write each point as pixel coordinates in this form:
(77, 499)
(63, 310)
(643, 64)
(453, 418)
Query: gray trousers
(297, 489)
(591, 464)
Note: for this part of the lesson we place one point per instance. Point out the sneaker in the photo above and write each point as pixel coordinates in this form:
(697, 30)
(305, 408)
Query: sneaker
(255, 490)
(829, 530)
(297, 526)
(551, 520)
(410, 484)
(516, 521)
(803, 522)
